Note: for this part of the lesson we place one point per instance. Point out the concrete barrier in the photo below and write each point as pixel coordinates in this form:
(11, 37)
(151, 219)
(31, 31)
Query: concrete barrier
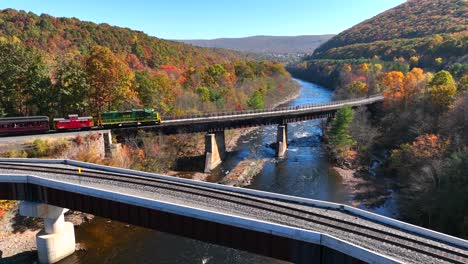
(306, 201)
(217, 217)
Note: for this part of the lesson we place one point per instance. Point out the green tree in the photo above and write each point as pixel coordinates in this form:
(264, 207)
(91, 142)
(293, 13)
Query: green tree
(442, 90)
(256, 101)
(458, 70)
(204, 93)
(155, 91)
(463, 84)
(339, 131)
(71, 86)
(24, 83)
(212, 74)
(452, 201)
(136, 48)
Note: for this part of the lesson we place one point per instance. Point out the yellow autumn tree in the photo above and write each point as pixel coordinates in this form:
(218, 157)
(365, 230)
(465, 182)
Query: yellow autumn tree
(442, 90)
(393, 83)
(109, 78)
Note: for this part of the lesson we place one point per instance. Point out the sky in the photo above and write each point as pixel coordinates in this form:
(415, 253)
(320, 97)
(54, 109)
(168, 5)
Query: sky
(207, 19)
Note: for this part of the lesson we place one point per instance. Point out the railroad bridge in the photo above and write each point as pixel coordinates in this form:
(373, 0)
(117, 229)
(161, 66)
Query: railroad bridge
(284, 227)
(214, 124)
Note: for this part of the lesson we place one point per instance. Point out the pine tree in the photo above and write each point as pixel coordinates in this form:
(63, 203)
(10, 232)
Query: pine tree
(339, 132)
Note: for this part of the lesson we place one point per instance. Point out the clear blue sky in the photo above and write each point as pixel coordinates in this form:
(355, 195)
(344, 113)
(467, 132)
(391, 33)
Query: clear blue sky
(204, 19)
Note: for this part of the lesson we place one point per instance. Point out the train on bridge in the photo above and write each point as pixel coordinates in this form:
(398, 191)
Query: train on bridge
(37, 124)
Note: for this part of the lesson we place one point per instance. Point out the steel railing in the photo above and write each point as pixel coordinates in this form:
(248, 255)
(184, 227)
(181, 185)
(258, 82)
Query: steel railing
(363, 100)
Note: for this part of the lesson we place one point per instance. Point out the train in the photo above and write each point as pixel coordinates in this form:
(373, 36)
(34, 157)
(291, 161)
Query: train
(110, 119)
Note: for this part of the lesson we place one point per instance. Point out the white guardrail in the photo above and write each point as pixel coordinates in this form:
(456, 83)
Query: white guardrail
(252, 224)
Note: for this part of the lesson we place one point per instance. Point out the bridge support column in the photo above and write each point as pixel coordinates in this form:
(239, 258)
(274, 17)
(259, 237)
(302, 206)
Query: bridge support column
(215, 150)
(282, 141)
(57, 240)
(107, 137)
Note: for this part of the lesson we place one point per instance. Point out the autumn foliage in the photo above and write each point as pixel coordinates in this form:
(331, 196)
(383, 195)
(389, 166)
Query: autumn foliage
(109, 78)
(393, 83)
(59, 66)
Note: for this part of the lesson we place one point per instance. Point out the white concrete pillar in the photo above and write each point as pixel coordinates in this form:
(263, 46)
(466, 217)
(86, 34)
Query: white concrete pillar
(215, 149)
(57, 240)
(282, 141)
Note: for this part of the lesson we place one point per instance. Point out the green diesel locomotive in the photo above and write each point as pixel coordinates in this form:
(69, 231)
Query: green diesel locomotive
(130, 117)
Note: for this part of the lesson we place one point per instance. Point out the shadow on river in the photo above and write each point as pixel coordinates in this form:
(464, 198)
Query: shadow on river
(305, 172)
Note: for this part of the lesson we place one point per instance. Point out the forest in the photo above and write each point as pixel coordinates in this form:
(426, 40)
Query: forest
(410, 20)
(415, 55)
(422, 127)
(59, 66)
(431, 35)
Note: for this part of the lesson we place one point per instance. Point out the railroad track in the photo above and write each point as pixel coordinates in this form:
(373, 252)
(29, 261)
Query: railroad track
(450, 253)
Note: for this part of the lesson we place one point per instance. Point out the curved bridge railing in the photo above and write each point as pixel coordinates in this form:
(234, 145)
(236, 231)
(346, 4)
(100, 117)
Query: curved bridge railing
(359, 101)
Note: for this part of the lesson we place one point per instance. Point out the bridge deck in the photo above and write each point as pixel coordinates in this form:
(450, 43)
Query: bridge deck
(283, 112)
(210, 122)
(405, 244)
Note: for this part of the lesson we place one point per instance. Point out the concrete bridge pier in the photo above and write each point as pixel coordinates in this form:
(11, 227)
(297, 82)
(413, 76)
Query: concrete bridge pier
(107, 137)
(57, 240)
(282, 141)
(215, 150)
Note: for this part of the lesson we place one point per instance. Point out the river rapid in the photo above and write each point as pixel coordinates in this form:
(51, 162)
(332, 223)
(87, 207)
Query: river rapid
(305, 172)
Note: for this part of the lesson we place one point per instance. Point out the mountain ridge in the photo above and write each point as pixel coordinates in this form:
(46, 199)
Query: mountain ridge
(59, 35)
(265, 44)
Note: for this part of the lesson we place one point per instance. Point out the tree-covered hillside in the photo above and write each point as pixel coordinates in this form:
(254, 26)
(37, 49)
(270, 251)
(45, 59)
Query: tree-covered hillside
(432, 35)
(57, 36)
(59, 66)
(413, 19)
(416, 56)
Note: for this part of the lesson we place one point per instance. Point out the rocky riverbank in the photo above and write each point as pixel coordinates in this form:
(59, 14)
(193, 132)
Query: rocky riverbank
(365, 188)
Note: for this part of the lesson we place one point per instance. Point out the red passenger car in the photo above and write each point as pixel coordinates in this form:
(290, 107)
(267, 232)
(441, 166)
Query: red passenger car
(73, 122)
(12, 125)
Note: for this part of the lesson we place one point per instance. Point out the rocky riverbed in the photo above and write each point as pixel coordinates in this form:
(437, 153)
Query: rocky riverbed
(243, 173)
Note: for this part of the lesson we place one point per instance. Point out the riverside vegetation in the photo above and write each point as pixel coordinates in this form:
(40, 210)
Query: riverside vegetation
(415, 54)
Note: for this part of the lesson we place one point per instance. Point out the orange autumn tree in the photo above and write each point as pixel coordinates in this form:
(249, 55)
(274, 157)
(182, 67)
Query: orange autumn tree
(425, 150)
(110, 79)
(401, 88)
(414, 82)
(393, 83)
(427, 146)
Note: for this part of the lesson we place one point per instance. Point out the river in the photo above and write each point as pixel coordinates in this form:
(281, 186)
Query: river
(305, 172)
